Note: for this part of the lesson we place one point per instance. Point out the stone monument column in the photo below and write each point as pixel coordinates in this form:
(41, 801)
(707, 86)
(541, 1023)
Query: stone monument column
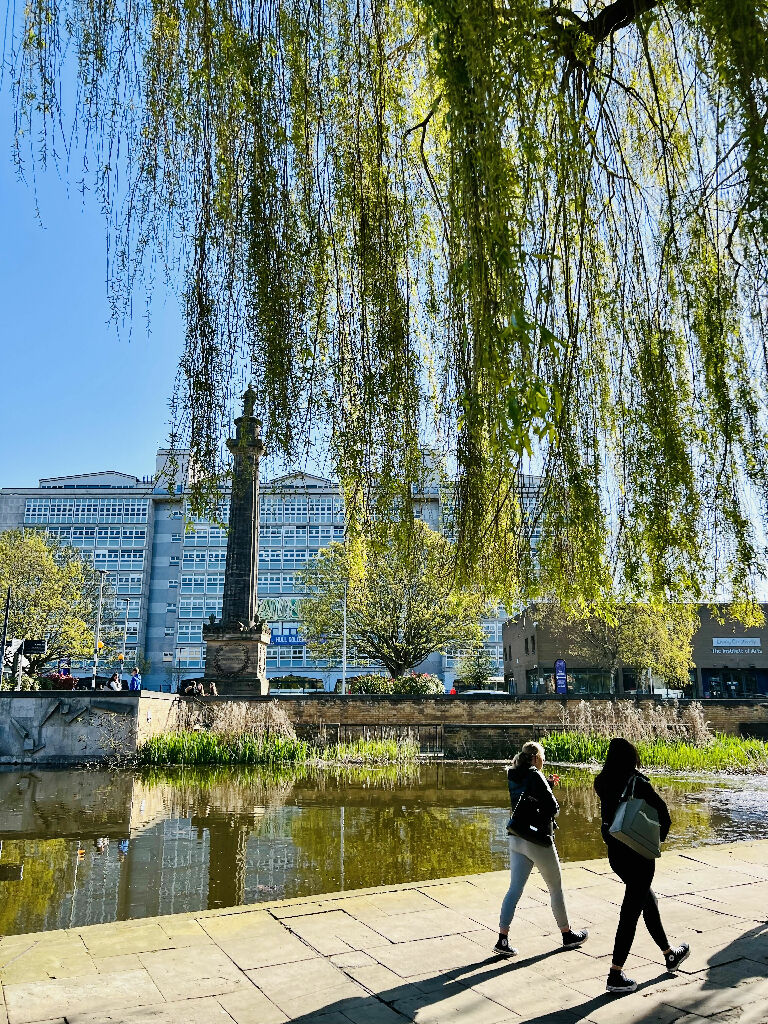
(236, 654)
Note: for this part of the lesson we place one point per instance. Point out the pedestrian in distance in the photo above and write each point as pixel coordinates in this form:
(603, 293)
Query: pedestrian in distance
(114, 682)
(635, 870)
(525, 781)
(135, 680)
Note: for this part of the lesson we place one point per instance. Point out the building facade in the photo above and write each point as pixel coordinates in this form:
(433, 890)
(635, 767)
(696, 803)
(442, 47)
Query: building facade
(730, 660)
(167, 567)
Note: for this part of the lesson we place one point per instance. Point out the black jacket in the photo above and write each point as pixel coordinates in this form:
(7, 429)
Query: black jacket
(610, 792)
(538, 787)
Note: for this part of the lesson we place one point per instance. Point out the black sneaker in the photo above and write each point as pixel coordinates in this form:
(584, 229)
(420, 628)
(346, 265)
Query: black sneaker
(676, 955)
(572, 939)
(619, 983)
(503, 948)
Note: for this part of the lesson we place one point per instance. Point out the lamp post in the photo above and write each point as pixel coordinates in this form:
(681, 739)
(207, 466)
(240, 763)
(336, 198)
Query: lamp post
(344, 643)
(96, 640)
(126, 602)
(5, 634)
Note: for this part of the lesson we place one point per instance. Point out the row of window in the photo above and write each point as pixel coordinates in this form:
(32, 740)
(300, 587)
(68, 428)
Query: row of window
(85, 510)
(197, 607)
(210, 584)
(99, 536)
(299, 536)
(288, 558)
(201, 560)
(132, 604)
(115, 558)
(203, 537)
(277, 657)
(276, 509)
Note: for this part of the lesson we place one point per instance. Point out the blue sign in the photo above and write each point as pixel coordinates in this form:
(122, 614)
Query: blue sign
(561, 678)
(286, 640)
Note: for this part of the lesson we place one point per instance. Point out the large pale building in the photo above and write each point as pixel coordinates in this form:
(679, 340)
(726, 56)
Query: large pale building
(167, 568)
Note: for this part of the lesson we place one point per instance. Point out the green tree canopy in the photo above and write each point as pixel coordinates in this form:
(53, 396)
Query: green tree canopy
(531, 234)
(53, 595)
(401, 606)
(636, 636)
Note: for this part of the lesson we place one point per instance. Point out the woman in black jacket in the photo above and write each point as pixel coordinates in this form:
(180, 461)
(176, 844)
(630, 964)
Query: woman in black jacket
(525, 776)
(635, 871)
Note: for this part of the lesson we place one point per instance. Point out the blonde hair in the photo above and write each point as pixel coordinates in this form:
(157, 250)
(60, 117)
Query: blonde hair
(527, 753)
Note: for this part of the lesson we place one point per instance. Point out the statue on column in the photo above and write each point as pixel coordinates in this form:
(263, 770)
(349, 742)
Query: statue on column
(236, 654)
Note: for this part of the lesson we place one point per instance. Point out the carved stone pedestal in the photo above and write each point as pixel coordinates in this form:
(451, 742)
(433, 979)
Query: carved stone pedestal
(236, 658)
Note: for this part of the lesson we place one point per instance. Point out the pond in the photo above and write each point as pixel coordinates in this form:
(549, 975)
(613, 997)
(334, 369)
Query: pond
(82, 847)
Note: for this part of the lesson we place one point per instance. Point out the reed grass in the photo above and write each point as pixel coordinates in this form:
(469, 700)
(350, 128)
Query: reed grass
(209, 748)
(720, 753)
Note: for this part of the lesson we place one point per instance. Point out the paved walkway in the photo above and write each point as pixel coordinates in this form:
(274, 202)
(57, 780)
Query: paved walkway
(419, 952)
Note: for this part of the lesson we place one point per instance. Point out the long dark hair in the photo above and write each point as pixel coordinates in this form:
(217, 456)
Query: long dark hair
(620, 761)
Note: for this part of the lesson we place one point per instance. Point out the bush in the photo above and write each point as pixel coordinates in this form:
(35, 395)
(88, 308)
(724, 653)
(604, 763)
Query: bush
(414, 684)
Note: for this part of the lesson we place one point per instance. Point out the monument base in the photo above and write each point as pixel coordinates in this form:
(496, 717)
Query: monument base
(236, 658)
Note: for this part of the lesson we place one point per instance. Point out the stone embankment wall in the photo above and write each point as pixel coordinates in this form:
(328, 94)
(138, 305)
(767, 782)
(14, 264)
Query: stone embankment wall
(64, 727)
(59, 727)
(727, 716)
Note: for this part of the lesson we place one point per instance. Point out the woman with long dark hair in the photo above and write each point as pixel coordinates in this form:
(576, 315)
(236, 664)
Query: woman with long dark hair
(635, 871)
(525, 776)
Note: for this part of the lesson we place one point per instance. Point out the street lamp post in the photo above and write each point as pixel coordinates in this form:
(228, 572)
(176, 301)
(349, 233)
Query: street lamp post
(126, 602)
(96, 640)
(344, 643)
(5, 634)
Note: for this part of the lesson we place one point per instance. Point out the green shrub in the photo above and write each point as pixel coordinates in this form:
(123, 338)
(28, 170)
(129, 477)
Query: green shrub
(721, 753)
(414, 684)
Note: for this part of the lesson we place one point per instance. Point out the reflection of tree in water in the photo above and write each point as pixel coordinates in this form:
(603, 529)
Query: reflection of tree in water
(384, 844)
(48, 866)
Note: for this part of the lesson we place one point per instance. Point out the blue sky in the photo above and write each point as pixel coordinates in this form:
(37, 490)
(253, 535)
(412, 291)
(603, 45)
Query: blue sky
(76, 395)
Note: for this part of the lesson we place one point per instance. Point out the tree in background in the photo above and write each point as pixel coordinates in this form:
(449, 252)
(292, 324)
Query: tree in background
(53, 597)
(474, 669)
(402, 606)
(636, 636)
(531, 232)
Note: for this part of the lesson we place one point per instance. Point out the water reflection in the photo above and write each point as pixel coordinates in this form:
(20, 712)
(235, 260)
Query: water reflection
(80, 847)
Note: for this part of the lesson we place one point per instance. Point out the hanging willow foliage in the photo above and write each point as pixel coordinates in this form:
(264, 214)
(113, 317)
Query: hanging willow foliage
(524, 237)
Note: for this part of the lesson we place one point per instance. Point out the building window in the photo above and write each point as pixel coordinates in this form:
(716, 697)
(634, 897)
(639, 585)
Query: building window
(217, 537)
(176, 537)
(271, 537)
(174, 560)
(217, 559)
(194, 560)
(287, 582)
(197, 537)
(269, 558)
(170, 606)
(295, 510)
(192, 584)
(320, 536)
(271, 509)
(36, 510)
(269, 582)
(173, 584)
(189, 657)
(169, 630)
(128, 584)
(320, 510)
(190, 632)
(214, 584)
(134, 538)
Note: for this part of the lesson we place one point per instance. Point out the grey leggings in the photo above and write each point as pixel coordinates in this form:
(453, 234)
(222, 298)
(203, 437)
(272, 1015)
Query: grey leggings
(522, 858)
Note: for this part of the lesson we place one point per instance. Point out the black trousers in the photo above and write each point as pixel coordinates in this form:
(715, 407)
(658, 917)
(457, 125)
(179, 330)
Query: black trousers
(636, 873)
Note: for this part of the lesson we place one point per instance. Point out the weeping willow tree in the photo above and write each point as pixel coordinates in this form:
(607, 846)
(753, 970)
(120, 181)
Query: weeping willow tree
(526, 237)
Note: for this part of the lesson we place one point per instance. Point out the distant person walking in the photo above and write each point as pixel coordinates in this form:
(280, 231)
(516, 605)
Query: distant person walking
(114, 682)
(135, 680)
(635, 871)
(524, 778)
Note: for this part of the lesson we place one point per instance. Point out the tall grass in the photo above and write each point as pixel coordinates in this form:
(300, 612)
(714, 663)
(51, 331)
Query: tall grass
(209, 748)
(719, 753)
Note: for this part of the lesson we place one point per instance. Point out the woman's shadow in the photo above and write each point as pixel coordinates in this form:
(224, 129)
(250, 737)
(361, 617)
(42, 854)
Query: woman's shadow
(406, 1002)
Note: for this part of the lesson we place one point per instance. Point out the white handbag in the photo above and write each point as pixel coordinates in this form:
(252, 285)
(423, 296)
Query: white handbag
(636, 824)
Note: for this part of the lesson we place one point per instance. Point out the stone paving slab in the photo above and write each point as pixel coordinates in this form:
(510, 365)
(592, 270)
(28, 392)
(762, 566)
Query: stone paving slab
(419, 952)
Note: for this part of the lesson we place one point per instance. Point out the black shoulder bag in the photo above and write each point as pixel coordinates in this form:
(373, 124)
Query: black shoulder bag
(530, 820)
